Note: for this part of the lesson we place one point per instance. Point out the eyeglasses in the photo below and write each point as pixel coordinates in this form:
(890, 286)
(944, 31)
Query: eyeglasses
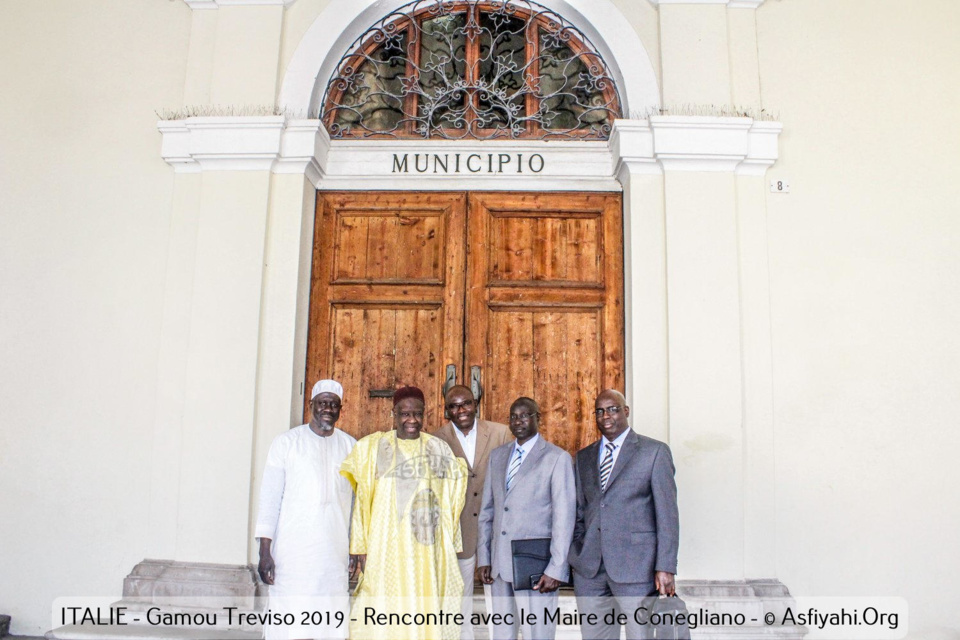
(457, 406)
(613, 412)
(327, 404)
(522, 417)
(407, 415)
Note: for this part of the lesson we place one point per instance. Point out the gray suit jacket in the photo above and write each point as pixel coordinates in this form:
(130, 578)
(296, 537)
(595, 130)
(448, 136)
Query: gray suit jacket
(635, 524)
(541, 504)
(490, 435)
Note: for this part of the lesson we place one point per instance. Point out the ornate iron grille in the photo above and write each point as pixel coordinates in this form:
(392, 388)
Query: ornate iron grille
(484, 69)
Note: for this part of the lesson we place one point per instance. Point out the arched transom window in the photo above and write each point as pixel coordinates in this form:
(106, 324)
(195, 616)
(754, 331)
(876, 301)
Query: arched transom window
(486, 69)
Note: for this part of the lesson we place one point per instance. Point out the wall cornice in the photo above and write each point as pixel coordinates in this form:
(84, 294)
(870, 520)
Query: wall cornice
(245, 143)
(695, 143)
(657, 144)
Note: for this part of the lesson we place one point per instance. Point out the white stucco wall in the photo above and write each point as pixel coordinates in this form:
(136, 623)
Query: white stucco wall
(865, 298)
(84, 215)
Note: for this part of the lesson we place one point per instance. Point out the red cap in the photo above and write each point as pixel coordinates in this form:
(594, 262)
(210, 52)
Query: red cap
(407, 392)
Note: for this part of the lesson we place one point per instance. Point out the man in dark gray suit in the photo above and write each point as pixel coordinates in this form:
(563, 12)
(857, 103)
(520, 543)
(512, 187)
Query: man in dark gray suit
(628, 528)
(529, 493)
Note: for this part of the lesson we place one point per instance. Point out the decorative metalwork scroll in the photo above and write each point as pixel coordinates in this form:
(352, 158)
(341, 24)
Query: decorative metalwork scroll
(485, 69)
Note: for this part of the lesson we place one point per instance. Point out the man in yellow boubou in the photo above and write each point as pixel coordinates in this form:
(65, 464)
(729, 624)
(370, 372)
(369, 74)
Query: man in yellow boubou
(405, 533)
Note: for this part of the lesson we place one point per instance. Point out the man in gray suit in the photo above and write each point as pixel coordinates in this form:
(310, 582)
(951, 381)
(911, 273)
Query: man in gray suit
(529, 493)
(472, 440)
(628, 527)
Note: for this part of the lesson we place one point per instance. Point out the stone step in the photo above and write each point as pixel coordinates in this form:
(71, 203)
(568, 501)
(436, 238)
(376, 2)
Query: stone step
(236, 585)
(147, 632)
(179, 587)
(140, 608)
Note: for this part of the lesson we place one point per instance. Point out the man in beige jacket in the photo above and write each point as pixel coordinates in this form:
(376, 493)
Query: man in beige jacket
(472, 440)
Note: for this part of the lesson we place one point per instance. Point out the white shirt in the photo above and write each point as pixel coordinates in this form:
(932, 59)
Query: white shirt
(526, 447)
(618, 444)
(468, 442)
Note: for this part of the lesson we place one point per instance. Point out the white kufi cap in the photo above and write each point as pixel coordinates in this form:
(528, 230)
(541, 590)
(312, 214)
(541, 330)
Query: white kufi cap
(327, 386)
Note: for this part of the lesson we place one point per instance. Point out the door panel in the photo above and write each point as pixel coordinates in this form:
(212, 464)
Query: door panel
(539, 275)
(367, 243)
(544, 300)
(555, 251)
(552, 356)
(386, 303)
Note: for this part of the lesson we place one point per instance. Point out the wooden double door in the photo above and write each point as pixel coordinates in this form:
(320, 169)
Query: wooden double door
(521, 293)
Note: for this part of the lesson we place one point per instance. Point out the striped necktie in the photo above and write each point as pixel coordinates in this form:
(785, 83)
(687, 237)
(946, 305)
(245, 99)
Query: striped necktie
(514, 467)
(606, 466)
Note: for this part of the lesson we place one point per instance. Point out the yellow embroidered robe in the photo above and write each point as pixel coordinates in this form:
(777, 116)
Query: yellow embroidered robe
(406, 519)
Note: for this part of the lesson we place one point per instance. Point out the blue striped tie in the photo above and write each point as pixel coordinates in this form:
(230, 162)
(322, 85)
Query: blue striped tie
(514, 467)
(606, 466)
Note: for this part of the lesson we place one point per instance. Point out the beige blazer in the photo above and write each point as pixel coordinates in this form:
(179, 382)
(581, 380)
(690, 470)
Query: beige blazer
(490, 435)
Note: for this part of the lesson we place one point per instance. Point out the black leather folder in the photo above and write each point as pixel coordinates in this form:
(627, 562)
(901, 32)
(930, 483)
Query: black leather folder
(530, 559)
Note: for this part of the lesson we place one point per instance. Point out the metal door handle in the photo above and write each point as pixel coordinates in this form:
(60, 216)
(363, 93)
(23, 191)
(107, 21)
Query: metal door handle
(450, 379)
(475, 385)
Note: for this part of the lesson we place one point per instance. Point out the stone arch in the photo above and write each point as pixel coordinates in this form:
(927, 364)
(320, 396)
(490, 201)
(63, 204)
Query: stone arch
(342, 21)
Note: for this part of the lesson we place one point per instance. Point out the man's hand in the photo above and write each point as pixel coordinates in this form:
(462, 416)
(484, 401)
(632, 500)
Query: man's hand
(664, 583)
(484, 573)
(358, 562)
(266, 566)
(546, 584)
